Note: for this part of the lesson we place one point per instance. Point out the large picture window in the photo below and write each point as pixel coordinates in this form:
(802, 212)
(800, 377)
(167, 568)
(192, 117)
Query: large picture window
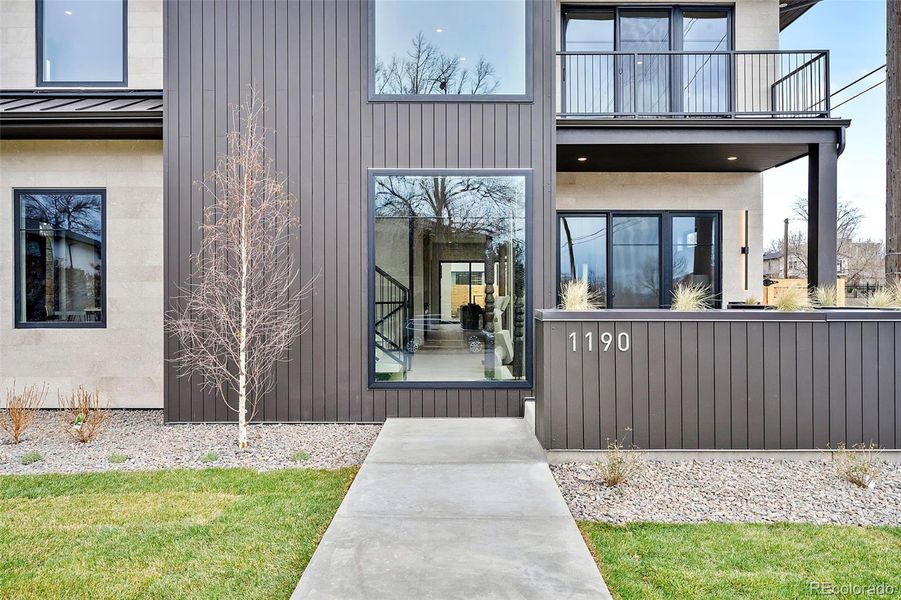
(449, 48)
(81, 42)
(637, 259)
(449, 296)
(59, 261)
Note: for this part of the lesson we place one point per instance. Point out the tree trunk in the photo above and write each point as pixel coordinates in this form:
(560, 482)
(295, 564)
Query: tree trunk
(242, 350)
(893, 142)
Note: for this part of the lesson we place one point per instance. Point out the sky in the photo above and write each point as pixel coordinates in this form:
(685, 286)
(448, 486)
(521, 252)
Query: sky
(854, 33)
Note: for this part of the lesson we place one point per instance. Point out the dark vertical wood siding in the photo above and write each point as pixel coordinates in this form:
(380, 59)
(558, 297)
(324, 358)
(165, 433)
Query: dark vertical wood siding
(768, 382)
(310, 60)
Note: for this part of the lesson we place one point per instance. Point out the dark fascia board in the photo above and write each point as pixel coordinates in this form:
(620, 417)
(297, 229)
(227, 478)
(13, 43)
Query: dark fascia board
(830, 130)
(73, 130)
(654, 314)
(700, 123)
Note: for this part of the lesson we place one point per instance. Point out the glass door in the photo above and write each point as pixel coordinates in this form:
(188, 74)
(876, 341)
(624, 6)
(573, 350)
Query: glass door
(635, 261)
(646, 77)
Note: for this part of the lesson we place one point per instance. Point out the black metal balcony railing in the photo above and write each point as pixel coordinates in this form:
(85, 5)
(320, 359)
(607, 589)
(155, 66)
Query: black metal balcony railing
(694, 84)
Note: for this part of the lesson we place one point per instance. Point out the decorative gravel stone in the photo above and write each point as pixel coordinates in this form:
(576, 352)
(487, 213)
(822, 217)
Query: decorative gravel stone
(149, 444)
(741, 491)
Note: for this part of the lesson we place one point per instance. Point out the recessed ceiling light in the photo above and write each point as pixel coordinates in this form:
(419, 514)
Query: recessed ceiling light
(731, 158)
(68, 12)
(439, 30)
(582, 158)
(462, 58)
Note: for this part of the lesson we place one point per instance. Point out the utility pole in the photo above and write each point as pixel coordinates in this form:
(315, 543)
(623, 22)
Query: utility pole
(785, 251)
(893, 141)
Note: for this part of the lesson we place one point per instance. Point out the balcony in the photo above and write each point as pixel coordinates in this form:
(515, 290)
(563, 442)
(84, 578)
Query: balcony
(675, 84)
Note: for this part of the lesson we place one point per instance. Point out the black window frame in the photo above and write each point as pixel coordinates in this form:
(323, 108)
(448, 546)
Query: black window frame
(665, 251)
(526, 382)
(17, 261)
(527, 97)
(39, 55)
(676, 14)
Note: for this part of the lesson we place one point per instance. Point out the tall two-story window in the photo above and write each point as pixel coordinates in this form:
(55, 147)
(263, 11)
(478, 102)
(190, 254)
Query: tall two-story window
(646, 61)
(444, 49)
(59, 258)
(81, 43)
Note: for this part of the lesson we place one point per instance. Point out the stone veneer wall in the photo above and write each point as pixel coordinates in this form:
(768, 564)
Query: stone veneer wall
(124, 361)
(731, 193)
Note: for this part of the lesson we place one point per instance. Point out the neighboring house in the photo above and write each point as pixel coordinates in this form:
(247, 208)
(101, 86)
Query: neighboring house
(774, 266)
(453, 165)
(860, 263)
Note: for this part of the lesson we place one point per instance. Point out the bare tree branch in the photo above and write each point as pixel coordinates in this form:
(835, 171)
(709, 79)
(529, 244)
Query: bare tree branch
(240, 312)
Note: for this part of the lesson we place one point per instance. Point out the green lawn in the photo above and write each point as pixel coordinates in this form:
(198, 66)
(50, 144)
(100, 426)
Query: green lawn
(647, 560)
(216, 533)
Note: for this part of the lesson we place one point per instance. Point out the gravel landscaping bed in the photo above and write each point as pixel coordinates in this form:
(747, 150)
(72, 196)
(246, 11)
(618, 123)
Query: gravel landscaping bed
(742, 491)
(149, 444)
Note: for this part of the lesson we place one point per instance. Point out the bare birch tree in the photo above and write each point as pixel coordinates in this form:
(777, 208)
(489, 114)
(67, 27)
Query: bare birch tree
(240, 312)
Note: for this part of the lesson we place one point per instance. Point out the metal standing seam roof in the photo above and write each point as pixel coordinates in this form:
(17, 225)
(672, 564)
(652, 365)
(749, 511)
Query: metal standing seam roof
(41, 113)
(55, 104)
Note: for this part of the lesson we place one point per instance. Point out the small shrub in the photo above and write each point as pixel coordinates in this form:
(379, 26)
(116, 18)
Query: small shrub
(689, 297)
(894, 289)
(859, 465)
(21, 409)
(209, 457)
(300, 456)
(881, 298)
(29, 458)
(117, 458)
(825, 295)
(753, 300)
(576, 295)
(792, 299)
(83, 414)
(619, 464)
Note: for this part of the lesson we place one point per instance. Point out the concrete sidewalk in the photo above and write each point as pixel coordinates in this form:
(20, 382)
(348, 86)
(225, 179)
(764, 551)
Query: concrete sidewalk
(453, 508)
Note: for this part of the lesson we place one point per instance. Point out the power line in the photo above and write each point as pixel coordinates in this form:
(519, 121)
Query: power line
(856, 80)
(860, 94)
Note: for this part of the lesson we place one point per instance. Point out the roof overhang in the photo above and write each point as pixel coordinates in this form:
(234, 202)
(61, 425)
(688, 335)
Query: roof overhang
(655, 145)
(53, 114)
(791, 10)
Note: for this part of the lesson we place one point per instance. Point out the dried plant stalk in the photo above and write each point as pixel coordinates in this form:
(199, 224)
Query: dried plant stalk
(21, 409)
(83, 413)
(691, 297)
(858, 464)
(825, 295)
(575, 294)
(620, 463)
(241, 312)
(793, 299)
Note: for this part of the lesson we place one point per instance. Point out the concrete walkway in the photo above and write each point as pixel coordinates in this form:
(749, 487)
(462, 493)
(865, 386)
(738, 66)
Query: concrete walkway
(453, 508)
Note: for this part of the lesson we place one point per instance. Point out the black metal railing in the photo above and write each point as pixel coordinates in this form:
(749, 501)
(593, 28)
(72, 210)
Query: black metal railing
(736, 83)
(392, 311)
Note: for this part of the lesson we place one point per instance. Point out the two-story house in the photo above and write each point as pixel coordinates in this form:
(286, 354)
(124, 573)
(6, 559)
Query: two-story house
(453, 162)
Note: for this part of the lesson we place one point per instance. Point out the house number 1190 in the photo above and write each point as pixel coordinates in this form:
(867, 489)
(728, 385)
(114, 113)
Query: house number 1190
(622, 341)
